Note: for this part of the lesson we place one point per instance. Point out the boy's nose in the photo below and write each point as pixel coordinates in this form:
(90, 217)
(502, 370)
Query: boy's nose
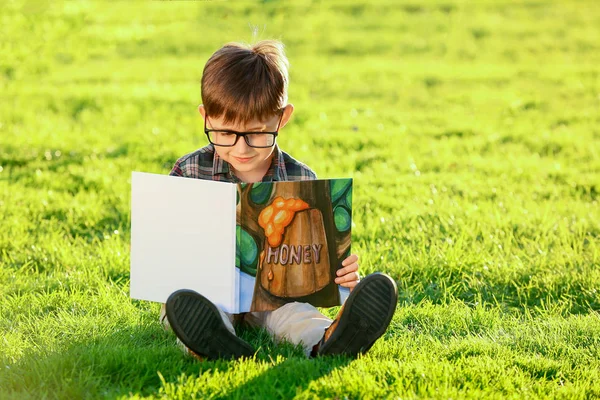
(241, 146)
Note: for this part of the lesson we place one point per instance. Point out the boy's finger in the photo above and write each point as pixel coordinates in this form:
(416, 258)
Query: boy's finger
(346, 270)
(350, 284)
(352, 258)
(352, 277)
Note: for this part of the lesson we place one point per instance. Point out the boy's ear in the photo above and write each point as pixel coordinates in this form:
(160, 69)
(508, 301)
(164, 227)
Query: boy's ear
(287, 113)
(202, 110)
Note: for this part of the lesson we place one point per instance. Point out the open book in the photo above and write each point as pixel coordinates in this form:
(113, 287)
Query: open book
(246, 247)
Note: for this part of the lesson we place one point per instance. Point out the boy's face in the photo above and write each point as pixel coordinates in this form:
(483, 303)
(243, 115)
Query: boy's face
(250, 164)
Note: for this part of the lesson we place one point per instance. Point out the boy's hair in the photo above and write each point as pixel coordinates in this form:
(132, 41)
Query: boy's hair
(244, 82)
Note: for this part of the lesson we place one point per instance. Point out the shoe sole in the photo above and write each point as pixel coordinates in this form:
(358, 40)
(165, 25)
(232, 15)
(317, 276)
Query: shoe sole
(366, 315)
(197, 322)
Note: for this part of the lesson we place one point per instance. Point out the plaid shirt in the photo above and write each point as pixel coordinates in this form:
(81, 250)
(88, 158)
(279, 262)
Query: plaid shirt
(205, 163)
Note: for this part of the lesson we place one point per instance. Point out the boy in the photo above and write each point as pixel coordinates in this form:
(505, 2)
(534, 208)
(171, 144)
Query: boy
(244, 96)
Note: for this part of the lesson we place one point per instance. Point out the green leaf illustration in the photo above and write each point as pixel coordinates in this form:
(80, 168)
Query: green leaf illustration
(342, 219)
(338, 187)
(260, 192)
(246, 252)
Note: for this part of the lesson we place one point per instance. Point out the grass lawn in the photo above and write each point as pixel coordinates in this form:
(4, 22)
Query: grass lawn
(472, 132)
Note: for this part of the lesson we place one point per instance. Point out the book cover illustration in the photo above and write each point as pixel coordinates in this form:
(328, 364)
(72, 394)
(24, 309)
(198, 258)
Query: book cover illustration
(291, 237)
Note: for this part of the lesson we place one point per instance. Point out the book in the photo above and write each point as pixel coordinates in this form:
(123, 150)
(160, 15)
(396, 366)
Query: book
(246, 247)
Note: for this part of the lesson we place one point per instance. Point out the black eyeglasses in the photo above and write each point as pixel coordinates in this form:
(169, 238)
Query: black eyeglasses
(228, 138)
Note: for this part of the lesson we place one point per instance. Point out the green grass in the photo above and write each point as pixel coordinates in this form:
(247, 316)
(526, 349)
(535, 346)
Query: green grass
(472, 130)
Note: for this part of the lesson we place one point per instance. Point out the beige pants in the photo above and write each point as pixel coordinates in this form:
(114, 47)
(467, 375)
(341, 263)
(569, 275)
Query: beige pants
(297, 323)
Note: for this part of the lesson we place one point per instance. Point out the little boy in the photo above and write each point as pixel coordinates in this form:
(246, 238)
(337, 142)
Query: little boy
(244, 96)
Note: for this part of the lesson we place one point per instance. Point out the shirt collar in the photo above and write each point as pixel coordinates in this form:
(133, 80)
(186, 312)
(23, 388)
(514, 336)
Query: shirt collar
(276, 172)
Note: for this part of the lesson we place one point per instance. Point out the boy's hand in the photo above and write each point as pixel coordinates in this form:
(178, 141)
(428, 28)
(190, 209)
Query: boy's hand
(348, 275)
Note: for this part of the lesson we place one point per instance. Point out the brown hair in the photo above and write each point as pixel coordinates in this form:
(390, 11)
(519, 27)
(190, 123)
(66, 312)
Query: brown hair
(242, 82)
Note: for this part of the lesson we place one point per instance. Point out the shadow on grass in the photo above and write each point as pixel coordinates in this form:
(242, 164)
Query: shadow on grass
(288, 378)
(131, 360)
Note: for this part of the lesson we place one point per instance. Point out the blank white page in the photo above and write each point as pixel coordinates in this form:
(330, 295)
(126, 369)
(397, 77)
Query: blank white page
(183, 237)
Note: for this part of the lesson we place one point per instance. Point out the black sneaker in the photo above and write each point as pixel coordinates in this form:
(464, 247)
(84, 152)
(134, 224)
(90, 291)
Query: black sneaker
(364, 317)
(197, 322)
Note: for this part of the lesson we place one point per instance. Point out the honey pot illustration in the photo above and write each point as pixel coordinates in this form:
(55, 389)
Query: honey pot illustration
(295, 259)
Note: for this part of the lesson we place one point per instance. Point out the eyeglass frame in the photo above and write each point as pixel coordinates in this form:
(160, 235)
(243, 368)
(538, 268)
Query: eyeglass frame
(242, 134)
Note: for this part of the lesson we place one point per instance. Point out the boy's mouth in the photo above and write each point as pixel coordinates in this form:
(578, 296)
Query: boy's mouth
(242, 159)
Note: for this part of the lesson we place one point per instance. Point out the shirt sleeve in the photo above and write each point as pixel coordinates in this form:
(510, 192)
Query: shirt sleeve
(176, 170)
